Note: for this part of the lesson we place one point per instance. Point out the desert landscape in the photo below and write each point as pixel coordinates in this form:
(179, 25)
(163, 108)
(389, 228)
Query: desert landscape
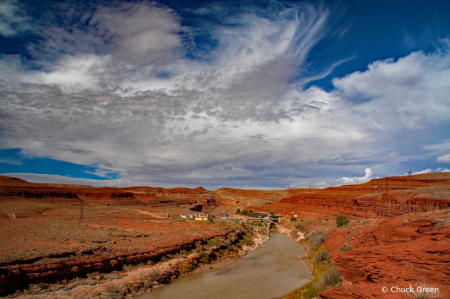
(267, 149)
(75, 239)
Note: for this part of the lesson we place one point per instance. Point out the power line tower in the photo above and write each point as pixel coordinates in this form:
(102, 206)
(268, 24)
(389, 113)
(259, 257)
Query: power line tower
(81, 209)
(409, 179)
(380, 184)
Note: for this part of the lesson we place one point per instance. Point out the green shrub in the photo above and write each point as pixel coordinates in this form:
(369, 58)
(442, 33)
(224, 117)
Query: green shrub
(321, 256)
(42, 285)
(345, 248)
(341, 220)
(331, 276)
(238, 211)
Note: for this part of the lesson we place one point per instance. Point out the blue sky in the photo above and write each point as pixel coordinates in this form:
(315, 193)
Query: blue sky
(249, 94)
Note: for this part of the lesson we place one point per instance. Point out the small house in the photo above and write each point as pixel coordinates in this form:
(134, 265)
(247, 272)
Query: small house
(202, 217)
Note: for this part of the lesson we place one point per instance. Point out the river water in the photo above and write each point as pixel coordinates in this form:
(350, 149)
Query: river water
(271, 271)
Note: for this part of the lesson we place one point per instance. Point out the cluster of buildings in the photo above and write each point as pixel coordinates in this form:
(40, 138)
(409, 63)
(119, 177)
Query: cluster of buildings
(197, 217)
(200, 217)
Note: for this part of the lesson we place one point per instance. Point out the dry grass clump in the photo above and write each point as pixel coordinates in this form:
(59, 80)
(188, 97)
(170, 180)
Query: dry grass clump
(315, 239)
(345, 247)
(331, 276)
(321, 256)
(112, 289)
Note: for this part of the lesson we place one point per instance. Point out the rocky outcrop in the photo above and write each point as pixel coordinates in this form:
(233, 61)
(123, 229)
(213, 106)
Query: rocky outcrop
(36, 193)
(15, 274)
(401, 251)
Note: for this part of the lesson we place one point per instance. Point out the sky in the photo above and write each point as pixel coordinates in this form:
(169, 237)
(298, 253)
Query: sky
(245, 94)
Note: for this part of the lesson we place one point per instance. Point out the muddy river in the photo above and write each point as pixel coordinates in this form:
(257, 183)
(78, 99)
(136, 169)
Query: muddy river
(271, 271)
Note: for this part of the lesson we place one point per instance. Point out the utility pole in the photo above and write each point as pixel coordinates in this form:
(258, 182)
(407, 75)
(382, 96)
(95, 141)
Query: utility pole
(409, 177)
(81, 209)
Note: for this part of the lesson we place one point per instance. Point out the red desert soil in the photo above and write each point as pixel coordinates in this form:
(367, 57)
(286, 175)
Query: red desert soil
(43, 238)
(399, 233)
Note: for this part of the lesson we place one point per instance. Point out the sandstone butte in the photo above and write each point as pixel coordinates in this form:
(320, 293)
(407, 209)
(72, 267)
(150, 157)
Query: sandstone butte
(399, 233)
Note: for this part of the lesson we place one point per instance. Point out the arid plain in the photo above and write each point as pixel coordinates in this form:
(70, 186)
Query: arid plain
(66, 241)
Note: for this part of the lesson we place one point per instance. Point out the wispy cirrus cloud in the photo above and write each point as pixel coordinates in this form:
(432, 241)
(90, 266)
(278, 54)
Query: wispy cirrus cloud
(135, 100)
(13, 18)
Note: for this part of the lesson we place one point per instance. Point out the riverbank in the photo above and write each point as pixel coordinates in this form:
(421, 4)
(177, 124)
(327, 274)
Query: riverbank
(270, 271)
(138, 279)
(322, 269)
(403, 251)
(232, 260)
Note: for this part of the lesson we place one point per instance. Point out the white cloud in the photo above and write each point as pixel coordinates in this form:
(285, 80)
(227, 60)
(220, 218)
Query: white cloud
(428, 170)
(410, 92)
(440, 169)
(10, 161)
(139, 32)
(443, 159)
(357, 180)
